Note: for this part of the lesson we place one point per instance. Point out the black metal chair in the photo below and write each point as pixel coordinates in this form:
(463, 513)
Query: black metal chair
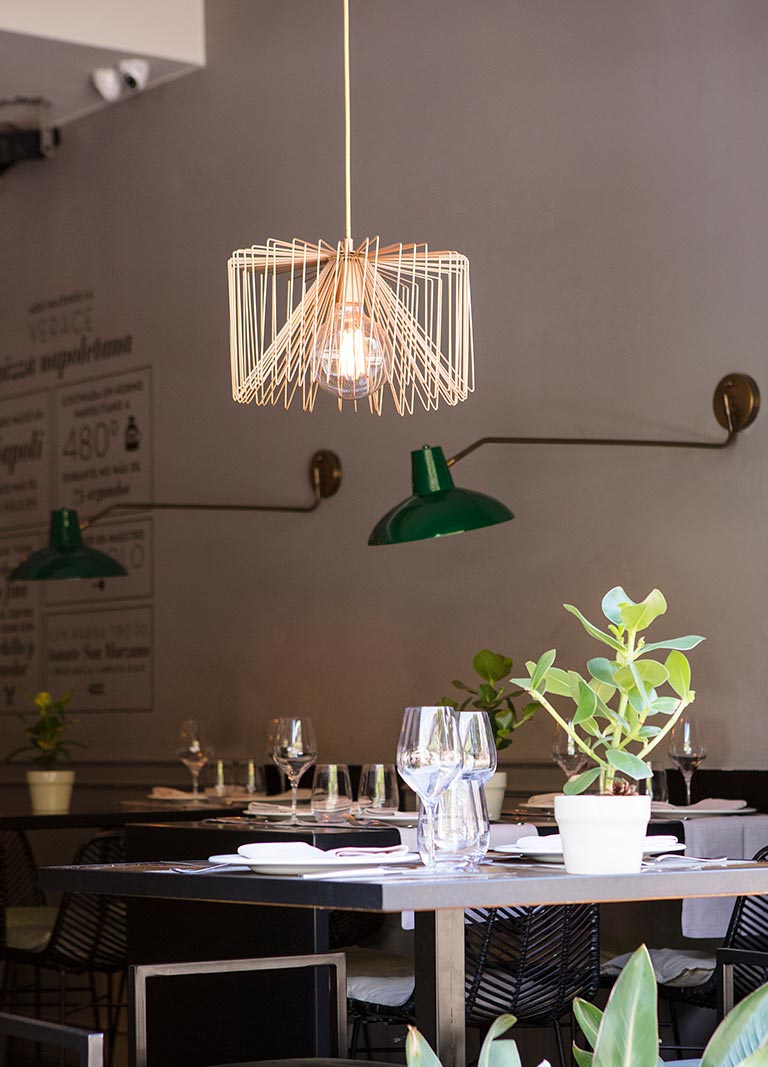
(531, 962)
(747, 933)
(88, 938)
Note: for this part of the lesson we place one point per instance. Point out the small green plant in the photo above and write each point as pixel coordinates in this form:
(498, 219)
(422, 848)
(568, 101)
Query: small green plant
(491, 667)
(45, 730)
(626, 1034)
(631, 679)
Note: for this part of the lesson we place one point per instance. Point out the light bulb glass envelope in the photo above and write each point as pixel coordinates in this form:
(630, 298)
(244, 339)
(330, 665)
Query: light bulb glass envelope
(437, 508)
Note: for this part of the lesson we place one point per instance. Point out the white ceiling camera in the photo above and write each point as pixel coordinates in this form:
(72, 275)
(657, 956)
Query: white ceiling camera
(134, 73)
(106, 82)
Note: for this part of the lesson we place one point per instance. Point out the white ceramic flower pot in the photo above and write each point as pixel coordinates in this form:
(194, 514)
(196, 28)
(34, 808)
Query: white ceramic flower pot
(495, 788)
(50, 791)
(602, 834)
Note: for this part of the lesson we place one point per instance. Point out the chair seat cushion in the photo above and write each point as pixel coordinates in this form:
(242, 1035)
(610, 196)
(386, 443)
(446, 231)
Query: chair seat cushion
(379, 977)
(29, 929)
(680, 968)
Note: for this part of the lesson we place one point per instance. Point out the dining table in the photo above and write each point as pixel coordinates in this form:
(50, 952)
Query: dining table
(438, 900)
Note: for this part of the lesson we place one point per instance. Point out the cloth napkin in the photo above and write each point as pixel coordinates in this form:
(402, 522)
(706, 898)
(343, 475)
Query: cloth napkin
(260, 808)
(161, 792)
(543, 800)
(302, 852)
(710, 804)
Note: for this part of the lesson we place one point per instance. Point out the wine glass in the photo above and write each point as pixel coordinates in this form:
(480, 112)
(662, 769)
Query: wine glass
(477, 746)
(567, 755)
(429, 758)
(191, 752)
(687, 749)
(294, 749)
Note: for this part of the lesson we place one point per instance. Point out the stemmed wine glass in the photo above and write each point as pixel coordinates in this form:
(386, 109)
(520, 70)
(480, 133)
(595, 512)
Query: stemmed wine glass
(429, 758)
(191, 752)
(687, 749)
(294, 749)
(567, 755)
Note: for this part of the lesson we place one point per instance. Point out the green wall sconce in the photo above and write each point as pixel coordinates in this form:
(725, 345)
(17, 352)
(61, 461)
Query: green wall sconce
(67, 556)
(438, 508)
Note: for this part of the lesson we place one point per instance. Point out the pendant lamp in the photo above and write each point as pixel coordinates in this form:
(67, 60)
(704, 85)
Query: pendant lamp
(438, 508)
(358, 322)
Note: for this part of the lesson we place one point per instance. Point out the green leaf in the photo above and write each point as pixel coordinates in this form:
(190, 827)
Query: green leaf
(499, 1053)
(588, 1016)
(418, 1051)
(586, 706)
(637, 700)
(583, 1058)
(593, 630)
(653, 673)
(604, 692)
(581, 782)
(640, 616)
(649, 731)
(545, 662)
(524, 683)
(602, 669)
(742, 1036)
(461, 685)
(679, 673)
(624, 678)
(529, 711)
(486, 694)
(558, 682)
(628, 1032)
(504, 719)
(683, 644)
(628, 764)
(491, 665)
(665, 705)
(612, 603)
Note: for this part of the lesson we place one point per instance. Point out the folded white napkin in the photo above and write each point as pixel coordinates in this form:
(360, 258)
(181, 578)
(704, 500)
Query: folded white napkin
(302, 852)
(161, 792)
(259, 808)
(543, 800)
(711, 804)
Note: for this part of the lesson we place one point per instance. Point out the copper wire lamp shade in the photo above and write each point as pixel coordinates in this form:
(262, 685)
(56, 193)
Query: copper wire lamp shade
(437, 508)
(359, 322)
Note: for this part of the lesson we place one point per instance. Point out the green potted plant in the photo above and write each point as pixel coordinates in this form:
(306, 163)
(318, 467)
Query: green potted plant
(491, 668)
(626, 1034)
(50, 786)
(619, 717)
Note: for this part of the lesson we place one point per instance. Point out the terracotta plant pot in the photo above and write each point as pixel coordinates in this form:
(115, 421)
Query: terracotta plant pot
(495, 788)
(602, 834)
(50, 791)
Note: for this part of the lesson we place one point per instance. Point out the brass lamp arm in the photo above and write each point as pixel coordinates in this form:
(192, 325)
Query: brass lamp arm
(736, 403)
(324, 476)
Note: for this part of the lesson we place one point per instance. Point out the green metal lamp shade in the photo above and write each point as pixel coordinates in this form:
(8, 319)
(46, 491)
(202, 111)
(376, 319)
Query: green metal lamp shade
(437, 508)
(66, 556)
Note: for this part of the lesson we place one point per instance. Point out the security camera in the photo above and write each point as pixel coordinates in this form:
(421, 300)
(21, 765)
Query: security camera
(106, 82)
(134, 73)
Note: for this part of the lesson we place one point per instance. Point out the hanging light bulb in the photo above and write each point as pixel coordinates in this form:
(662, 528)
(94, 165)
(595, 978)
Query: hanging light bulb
(352, 357)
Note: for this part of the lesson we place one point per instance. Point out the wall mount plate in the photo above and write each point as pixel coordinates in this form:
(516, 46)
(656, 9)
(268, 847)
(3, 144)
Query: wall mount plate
(743, 401)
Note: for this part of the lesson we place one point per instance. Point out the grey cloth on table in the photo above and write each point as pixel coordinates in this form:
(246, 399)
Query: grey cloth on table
(736, 837)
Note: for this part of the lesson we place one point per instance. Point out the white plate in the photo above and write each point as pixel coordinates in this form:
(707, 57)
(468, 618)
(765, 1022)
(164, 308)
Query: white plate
(336, 864)
(701, 813)
(398, 818)
(546, 854)
(302, 812)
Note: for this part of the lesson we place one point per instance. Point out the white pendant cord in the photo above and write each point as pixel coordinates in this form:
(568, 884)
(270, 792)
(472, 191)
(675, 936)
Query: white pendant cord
(347, 153)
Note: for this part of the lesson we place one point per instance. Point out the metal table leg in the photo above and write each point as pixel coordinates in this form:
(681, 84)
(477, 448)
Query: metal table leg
(440, 982)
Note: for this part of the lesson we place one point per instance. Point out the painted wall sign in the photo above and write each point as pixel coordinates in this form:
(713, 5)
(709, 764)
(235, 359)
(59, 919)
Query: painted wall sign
(105, 657)
(103, 442)
(19, 626)
(128, 541)
(24, 484)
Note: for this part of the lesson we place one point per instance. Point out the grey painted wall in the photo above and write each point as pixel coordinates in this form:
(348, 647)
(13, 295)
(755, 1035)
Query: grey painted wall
(603, 163)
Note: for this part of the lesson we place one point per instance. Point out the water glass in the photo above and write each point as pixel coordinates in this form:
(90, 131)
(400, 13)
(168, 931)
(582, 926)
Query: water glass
(331, 792)
(378, 792)
(294, 749)
(567, 755)
(656, 785)
(429, 759)
(461, 827)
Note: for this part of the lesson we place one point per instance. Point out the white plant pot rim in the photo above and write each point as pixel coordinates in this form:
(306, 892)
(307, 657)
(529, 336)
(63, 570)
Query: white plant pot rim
(602, 834)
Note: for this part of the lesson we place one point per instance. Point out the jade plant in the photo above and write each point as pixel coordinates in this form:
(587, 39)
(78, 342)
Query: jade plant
(626, 1034)
(45, 729)
(488, 696)
(610, 721)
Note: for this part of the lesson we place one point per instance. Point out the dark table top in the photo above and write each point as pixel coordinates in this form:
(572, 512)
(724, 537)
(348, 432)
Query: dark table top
(121, 814)
(496, 885)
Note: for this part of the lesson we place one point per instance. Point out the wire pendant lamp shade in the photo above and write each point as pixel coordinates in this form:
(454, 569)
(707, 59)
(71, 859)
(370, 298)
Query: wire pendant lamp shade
(357, 322)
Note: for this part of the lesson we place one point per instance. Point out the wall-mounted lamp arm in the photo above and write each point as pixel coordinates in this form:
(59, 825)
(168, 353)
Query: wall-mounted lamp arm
(736, 403)
(324, 477)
